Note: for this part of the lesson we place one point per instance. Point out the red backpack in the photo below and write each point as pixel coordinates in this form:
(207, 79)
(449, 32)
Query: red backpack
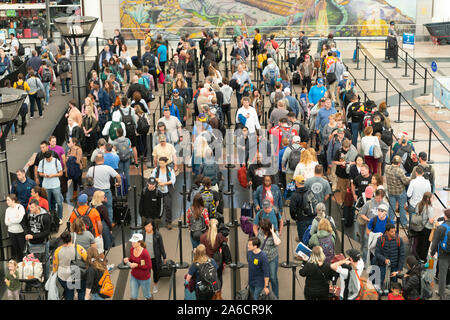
(242, 176)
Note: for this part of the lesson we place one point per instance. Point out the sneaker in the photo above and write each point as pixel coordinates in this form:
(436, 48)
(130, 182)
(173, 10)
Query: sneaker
(42, 117)
(14, 138)
(169, 226)
(60, 222)
(63, 93)
(155, 289)
(110, 267)
(136, 165)
(31, 117)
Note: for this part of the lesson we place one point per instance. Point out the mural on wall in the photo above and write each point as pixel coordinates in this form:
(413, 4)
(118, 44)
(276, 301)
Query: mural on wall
(281, 17)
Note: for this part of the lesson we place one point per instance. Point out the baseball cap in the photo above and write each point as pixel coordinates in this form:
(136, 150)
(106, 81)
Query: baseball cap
(300, 179)
(354, 254)
(152, 180)
(136, 237)
(320, 81)
(296, 139)
(202, 117)
(345, 74)
(383, 207)
(266, 204)
(82, 198)
(213, 110)
(175, 91)
(162, 137)
(287, 90)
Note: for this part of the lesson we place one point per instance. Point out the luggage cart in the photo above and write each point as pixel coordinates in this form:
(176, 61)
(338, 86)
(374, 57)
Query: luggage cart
(439, 31)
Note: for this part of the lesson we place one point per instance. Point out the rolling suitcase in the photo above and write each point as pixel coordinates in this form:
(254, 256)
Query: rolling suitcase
(166, 269)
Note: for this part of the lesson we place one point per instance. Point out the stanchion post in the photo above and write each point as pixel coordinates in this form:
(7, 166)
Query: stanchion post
(429, 146)
(294, 270)
(399, 103)
(265, 119)
(357, 55)
(123, 265)
(135, 205)
(233, 267)
(387, 91)
(287, 263)
(406, 66)
(365, 68)
(226, 58)
(375, 80)
(413, 83)
(425, 84)
(342, 231)
(142, 171)
(414, 127)
(447, 188)
(236, 245)
(181, 264)
(96, 44)
(139, 51)
(184, 193)
(174, 282)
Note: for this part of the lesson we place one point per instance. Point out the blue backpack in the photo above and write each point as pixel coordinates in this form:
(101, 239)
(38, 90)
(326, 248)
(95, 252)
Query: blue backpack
(272, 76)
(307, 235)
(444, 245)
(73, 169)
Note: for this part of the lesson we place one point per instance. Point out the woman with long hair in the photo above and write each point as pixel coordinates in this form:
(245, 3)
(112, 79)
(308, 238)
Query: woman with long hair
(141, 138)
(13, 218)
(355, 169)
(213, 240)
(324, 234)
(306, 165)
(190, 69)
(318, 275)
(96, 267)
(411, 280)
(72, 166)
(41, 195)
(201, 153)
(256, 102)
(313, 153)
(125, 59)
(89, 101)
(90, 128)
(82, 237)
(377, 182)
(197, 218)
(200, 258)
(270, 242)
(170, 78)
(141, 266)
(155, 245)
(367, 142)
(424, 210)
(321, 212)
(213, 72)
(139, 101)
(99, 203)
(161, 129)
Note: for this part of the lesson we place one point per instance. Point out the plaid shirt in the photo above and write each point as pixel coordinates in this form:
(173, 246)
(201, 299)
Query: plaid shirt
(396, 180)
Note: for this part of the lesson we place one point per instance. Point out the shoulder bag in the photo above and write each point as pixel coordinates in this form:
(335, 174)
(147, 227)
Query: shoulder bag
(40, 94)
(77, 267)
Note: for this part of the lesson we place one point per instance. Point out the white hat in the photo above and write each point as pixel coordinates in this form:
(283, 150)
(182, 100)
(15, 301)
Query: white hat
(345, 74)
(137, 237)
(287, 90)
(116, 116)
(296, 139)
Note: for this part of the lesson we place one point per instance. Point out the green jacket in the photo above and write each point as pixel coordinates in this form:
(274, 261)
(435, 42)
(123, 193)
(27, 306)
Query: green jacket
(314, 241)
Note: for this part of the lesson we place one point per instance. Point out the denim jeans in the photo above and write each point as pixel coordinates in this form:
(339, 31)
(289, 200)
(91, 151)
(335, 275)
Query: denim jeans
(47, 91)
(96, 296)
(107, 236)
(194, 243)
(70, 293)
(55, 198)
(65, 85)
(135, 284)
(273, 268)
(108, 195)
(302, 226)
(255, 292)
(362, 228)
(33, 99)
(355, 132)
(124, 167)
(239, 98)
(401, 199)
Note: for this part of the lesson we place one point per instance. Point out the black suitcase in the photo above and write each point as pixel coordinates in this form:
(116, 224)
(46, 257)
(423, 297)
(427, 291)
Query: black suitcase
(166, 269)
(296, 78)
(121, 212)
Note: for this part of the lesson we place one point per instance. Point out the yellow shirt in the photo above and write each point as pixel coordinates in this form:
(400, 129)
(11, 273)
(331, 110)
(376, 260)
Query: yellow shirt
(168, 151)
(25, 85)
(258, 37)
(261, 58)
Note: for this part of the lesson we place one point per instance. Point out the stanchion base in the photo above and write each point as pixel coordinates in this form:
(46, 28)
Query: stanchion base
(230, 166)
(424, 94)
(398, 121)
(413, 84)
(430, 161)
(405, 76)
(184, 226)
(231, 225)
(181, 265)
(446, 188)
(374, 91)
(123, 266)
(414, 140)
(287, 264)
(238, 265)
(137, 228)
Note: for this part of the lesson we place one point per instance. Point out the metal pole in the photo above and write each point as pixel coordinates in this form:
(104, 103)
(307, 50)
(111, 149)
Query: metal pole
(396, 58)
(342, 231)
(226, 58)
(425, 84)
(294, 270)
(357, 55)
(429, 146)
(414, 74)
(96, 44)
(375, 80)
(122, 265)
(365, 68)
(142, 172)
(287, 263)
(399, 103)
(174, 282)
(414, 127)
(139, 52)
(236, 246)
(406, 66)
(135, 205)
(265, 119)
(181, 264)
(387, 89)
(447, 188)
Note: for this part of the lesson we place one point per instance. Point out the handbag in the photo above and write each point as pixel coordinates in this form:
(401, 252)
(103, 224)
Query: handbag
(331, 76)
(430, 238)
(77, 267)
(162, 78)
(377, 153)
(40, 94)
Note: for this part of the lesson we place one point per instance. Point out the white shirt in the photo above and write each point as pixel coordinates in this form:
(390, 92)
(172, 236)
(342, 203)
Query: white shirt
(13, 217)
(305, 171)
(105, 130)
(367, 142)
(343, 272)
(101, 175)
(417, 187)
(172, 126)
(14, 43)
(252, 122)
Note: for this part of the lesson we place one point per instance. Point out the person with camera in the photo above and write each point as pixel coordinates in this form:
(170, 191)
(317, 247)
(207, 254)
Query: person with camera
(349, 282)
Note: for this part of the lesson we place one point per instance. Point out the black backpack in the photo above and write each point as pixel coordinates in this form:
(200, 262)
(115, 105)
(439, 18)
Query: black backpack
(309, 204)
(143, 126)
(130, 127)
(64, 65)
(294, 158)
(198, 227)
(386, 137)
(427, 174)
(409, 164)
(87, 221)
(21, 50)
(150, 61)
(46, 74)
(208, 281)
(219, 55)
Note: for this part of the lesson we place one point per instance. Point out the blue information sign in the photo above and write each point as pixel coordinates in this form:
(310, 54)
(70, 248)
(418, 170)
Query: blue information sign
(408, 38)
(434, 66)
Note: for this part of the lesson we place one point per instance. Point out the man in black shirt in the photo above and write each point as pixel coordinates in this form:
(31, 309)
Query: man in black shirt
(257, 171)
(39, 157)
(150, 205)
(343, 181)
(361, 182)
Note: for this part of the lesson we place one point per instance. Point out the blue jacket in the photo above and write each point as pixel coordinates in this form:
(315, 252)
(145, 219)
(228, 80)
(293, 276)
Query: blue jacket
(104, 99)
(322, 117)
(23, 190)
(277, 198)
(315, 94)
(293, 104)
(175, 112)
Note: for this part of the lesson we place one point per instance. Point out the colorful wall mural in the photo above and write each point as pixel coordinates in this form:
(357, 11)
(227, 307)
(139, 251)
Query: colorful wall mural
(281, 17)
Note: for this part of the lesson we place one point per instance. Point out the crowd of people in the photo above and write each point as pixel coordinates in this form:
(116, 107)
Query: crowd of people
(322, 143)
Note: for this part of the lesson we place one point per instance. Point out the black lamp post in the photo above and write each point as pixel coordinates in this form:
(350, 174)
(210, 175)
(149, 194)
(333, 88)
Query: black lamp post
(10, 102)
(75, 31)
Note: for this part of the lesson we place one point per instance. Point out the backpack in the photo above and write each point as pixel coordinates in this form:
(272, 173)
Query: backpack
(130, 127)
(416, 222)
(328, 248)
(208, 281)
(46, 75)
(64, 66)
(302, 131)
(426, 284)
(210, 204)
(294, 158)
(219, 55)
(87, 221)
(386, 137)
(272, 76)
(123, 149)
(307, 235)
(368, 120)
(113, 130)
(106, 286)
(198, 227)
(427, 174)
(20, 87)
(143, 127)
(21, 50)
(150, 61)
(444, 245)
(210, 171)
(408, 163)
(367, 291)
(247, 225)
(309, 204)
(73, 169)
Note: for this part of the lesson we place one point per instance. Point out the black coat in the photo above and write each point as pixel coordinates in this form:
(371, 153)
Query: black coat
(411, 284)
(158, 247)
(150, 204)
(77, 132)
(317, 280)
(296, 204)
(137, 87)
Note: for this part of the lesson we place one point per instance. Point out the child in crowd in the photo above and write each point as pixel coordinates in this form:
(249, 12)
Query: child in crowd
(12, 281)
(396, 292)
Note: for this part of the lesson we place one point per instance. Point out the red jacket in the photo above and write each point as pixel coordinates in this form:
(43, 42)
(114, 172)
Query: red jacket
(143, 270)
